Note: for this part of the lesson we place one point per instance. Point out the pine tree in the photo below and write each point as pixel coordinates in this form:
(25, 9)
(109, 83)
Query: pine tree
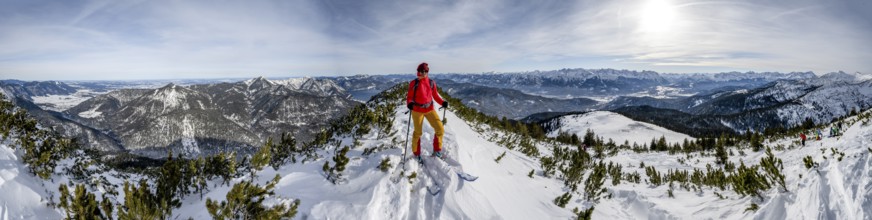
(661, 144)
(385, 164)
(589, 138)
(284, 151)
(720, 153)
(168, 185)
(85, 204)
(583, 215)
(81, 205)
(746, 181)
(334, 174)
(500, 157)
(773, 166)
(653, 146)
(107, 207)
(64, 198)
(599, 150)
(261, 158)
(593, 186)
(245, 201)
(139, 203)
(563, 199)
(229, 169)
(653, 176)
(809, 162)
(201, 182)
(574, 139)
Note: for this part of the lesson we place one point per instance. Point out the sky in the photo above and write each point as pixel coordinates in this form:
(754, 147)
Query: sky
(185, 39)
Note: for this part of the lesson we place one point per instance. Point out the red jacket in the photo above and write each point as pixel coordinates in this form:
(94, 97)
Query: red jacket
(426, 94)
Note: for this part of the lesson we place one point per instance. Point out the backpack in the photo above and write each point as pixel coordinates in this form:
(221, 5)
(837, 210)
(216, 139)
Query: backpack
(432, 84)
(415, 93)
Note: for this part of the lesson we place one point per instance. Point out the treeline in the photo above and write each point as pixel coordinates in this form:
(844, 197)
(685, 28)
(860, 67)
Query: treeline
(43, 149)
(719, 144)
(172, 181)
(577, 167)
(744, 180)
(178, 178)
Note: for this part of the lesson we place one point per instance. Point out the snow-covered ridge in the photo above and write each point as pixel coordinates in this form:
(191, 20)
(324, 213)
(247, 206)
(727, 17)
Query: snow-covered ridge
(617, 127)
(836, 189)
(310, 84)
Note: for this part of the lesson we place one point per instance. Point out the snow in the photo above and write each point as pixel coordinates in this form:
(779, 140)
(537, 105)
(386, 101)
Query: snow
(834, 190)
(863, 76)
(837, 189)
(189, 141)
(93, 113)
(170, 97)
(294, 83)
(370, 194)
(5, 93)
(63, 102)
(22, 193)
(662, 92)
(617, 127)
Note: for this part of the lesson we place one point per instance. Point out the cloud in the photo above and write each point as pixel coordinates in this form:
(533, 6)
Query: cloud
(799, 37)
(191, 39)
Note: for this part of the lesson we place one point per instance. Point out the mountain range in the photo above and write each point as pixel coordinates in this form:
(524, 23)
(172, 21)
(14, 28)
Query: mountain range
(568, 83)
(824, 178)
(204, 118)
(200, 119)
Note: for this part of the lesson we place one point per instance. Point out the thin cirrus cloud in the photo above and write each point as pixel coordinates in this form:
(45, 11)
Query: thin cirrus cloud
(101, 39)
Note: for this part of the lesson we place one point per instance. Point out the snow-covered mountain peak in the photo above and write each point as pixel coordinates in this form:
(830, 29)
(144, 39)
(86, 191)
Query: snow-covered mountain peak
(258, 83)
(842, 76)
(312, 85)
(294, 83)
(801, 75)
(171, 95)
(839, 77)
(863, 76)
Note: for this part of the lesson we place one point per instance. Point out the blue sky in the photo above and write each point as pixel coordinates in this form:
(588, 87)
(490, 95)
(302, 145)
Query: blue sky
(130, 39)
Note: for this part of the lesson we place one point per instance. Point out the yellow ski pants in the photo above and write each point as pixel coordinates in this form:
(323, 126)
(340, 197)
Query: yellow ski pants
(433, 119)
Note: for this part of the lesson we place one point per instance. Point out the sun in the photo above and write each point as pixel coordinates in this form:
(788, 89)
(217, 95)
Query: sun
(657, 16)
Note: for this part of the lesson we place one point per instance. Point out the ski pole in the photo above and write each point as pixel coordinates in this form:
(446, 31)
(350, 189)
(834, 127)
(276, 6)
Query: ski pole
(407, 137)
(443, 115)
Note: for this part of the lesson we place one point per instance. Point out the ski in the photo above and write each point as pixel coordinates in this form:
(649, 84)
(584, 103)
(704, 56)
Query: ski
(434, 190)
(455, 166)
(435, 186)
(466, 176)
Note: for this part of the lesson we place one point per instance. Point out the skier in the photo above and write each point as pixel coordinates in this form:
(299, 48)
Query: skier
(422, 92)
(802, 137)
(819, 134)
